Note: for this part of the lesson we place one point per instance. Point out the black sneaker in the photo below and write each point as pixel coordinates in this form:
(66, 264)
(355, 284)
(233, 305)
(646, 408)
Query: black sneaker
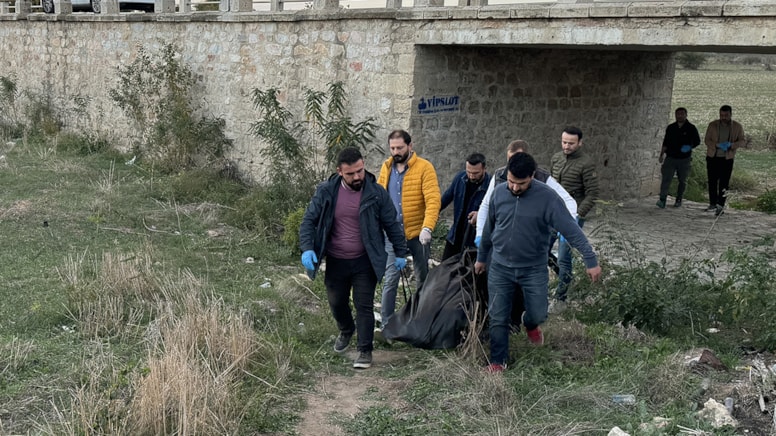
(719, 211)
(364, 360)
(661, 203)
(343, 342)
(712, 208)
(678, 203)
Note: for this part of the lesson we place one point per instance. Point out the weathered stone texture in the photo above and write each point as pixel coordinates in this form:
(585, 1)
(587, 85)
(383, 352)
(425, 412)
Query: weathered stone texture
(532, 94)
(508, 71)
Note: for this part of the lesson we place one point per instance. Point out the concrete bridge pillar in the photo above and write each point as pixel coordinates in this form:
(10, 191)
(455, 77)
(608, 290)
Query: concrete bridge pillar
(23, 8)
(109, 7)
(240, 5)
(325, 4)
(164, 6)
(62, 7)
(429, 3)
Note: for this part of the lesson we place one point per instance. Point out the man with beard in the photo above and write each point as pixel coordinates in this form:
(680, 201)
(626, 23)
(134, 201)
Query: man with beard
(723, 137)
(346, 221)
(575, 171)
(413, 187)
(523, 212)
(466, 192)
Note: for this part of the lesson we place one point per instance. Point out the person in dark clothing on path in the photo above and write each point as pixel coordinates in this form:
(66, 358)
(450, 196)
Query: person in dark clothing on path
(346, 221)
(466, 192)
(676, 156)
(723, 137)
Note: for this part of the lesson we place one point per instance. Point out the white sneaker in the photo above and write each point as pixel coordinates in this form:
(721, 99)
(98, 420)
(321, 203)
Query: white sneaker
(557, 307)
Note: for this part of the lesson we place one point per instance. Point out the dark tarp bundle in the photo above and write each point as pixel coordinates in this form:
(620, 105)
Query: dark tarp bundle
(438, 315)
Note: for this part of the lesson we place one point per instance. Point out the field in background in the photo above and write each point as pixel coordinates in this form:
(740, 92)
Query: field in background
(750, 89)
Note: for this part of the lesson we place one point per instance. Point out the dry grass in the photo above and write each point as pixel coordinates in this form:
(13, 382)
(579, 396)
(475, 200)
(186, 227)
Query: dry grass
(106, 297)
(15, 355)
(198, 352)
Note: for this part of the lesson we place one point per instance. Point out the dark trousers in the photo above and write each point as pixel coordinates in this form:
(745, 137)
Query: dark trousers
(358, 274)
(719, 171)
(671, 166)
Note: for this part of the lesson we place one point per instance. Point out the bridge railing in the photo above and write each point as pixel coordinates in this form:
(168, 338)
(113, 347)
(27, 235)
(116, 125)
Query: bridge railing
(24, 7)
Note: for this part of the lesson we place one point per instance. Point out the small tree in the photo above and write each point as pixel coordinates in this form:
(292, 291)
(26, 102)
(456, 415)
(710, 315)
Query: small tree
(155, 93)
(301, 152)
(294, 143)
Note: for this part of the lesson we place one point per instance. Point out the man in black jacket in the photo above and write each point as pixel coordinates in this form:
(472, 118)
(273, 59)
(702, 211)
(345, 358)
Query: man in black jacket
(676, 155)
(346, 221)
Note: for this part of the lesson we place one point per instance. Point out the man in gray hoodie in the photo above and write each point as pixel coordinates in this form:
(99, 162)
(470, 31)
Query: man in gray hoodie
(523, 213)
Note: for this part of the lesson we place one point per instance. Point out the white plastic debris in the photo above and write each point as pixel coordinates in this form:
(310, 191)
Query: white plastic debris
(249, 260)
(265, 285)
(131, 161)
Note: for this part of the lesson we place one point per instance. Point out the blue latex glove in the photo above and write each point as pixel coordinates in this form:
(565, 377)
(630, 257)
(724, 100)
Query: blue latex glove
(400, 263)
(725, 146)
(477, 241)
(309, 259)
(561, 239)
(686, 148)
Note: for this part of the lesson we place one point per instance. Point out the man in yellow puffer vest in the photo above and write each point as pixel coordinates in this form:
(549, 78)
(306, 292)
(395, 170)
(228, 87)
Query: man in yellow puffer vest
(412, 184)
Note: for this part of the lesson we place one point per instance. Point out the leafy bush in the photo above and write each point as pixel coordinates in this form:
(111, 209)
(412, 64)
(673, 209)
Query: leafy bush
(10, 126)
(767, 202)
(683, 301)
(691, 61)
(82, 144)
(297, 159)
(291, 226)
(206, 185)
(155, 93)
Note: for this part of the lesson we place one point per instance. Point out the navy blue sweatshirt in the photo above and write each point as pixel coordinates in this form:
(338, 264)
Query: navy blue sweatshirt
(517, 231)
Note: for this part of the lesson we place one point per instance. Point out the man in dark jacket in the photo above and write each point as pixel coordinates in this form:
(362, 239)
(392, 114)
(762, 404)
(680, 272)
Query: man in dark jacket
(576, 172)
(466, 193)
(522, 214)
(346, 221)
(676, 156)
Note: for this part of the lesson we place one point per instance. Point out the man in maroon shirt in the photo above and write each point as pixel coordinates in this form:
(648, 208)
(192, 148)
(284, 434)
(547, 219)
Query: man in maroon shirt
(346, 221)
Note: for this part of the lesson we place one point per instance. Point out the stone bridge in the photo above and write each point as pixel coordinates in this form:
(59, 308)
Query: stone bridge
(460, 78)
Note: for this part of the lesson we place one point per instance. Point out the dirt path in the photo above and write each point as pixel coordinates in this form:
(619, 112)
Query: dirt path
(340, 397)
(639, 230)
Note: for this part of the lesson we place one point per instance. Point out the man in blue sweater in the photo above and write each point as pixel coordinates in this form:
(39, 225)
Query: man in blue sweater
(523, 213)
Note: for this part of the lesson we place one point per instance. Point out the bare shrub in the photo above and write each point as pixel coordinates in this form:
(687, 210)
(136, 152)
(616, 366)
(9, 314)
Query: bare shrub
(14, 355)
(198, 355)
(107, 297)
(181, 396)
(98, 405)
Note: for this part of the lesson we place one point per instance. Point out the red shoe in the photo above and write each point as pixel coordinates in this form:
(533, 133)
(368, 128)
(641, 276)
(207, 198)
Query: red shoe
(536, 336)
(496, 368)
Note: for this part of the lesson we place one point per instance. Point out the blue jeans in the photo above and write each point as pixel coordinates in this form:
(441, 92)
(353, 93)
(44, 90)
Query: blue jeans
(341, 276)
(566, 273)
(420, 255)
(501, 288)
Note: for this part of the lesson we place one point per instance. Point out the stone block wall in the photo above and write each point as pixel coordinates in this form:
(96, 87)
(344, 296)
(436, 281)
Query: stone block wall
(618, 98)
(454, 99)
(77, 60)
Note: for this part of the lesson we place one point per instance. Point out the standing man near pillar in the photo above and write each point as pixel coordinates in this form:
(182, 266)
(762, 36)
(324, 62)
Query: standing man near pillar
(723, 137)
(412, 184)
(576, 172)
(466, 192)
(346, 221)
(676, 156)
